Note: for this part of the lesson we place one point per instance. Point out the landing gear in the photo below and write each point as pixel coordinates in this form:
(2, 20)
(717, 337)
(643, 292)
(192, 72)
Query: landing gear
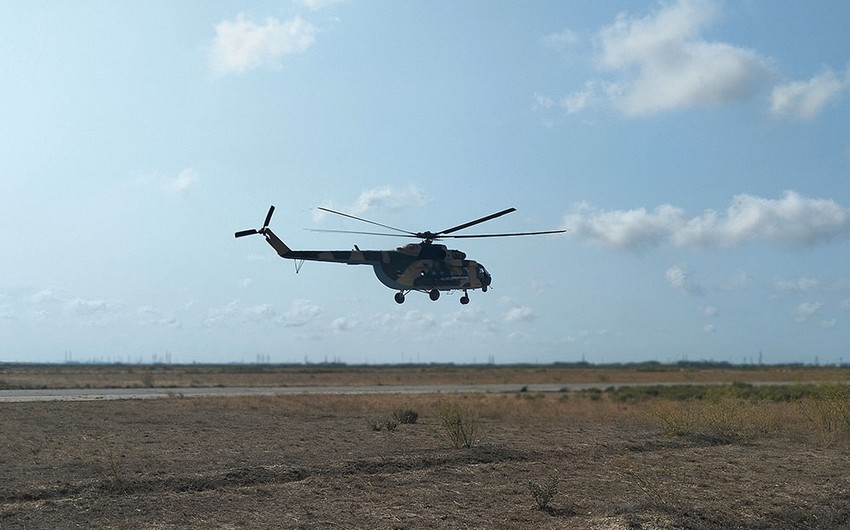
(464, 299)
(434, 294)
(399, 298)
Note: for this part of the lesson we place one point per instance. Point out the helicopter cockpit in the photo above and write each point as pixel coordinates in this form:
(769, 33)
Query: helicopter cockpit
(484, 276)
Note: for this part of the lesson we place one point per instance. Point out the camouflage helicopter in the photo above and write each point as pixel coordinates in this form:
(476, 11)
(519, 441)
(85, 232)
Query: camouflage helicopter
(425, 266)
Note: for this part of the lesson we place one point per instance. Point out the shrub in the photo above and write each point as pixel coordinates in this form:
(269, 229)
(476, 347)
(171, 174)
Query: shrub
(405, 416)
(723, 420)
(542, 493)
(828, 412)
(459, 422)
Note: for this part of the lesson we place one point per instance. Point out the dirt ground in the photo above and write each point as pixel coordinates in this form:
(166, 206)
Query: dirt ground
(334, 462)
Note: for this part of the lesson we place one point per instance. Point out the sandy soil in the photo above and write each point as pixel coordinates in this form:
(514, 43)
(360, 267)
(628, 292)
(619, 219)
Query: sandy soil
(319, 462)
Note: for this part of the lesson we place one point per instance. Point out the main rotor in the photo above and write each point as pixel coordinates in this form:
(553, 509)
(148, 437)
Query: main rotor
(428, 236)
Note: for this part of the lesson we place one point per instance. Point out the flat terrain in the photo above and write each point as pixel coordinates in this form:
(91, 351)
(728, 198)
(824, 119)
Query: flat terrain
(13, 376)
(334, 461)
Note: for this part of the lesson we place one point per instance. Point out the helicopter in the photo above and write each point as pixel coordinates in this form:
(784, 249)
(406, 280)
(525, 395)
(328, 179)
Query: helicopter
(425, 267)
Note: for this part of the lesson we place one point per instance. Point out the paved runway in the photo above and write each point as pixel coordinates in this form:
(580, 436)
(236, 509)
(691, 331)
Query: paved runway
(94, 394)
(99, 394)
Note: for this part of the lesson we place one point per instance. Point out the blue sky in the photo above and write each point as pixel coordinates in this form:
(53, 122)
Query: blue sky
(697, 151)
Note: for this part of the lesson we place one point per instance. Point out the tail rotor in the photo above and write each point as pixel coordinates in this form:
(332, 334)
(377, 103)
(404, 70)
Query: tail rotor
(262, 230)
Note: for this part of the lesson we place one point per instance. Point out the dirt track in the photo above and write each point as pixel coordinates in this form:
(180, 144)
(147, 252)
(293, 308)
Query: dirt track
(318, 462)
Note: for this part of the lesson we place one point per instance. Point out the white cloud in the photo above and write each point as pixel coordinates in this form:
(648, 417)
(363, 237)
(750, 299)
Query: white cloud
(6, 313)
(661, 62)
(390, 198)
(806, 99)
(381, 197)
(175, 186)
(181, 184)
(316, 5)
(519, 314)
(805, 311)
(148, 316)
(578, 101)
(709, 329)
(710, 311)
(633, 230)
(417, 321)
(241, 45)
(828, 324)
(791, 220)
(562, 39)
(342, 324)
(800, 284)
(80, 306)
(679, 278)
(300, 313)
(47, 295)
(542, 102)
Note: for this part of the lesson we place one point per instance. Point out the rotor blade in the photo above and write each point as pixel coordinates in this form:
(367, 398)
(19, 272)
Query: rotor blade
(269, 216)
(475, 222)
(510, 234)
(250, 232)
(358, 232)
(366, 221)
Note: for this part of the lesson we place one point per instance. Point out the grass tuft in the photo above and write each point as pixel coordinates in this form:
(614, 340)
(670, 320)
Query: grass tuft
(460, 423)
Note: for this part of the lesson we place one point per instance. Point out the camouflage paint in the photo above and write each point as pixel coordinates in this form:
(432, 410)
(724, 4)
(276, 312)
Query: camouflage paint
(413, 267)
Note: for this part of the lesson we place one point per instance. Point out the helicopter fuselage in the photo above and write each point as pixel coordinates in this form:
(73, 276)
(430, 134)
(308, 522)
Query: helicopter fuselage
(413, 267)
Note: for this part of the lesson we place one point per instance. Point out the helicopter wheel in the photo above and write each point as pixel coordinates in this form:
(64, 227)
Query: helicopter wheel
(399, 298)
(464, 300)
(434, 294)
(483, 288)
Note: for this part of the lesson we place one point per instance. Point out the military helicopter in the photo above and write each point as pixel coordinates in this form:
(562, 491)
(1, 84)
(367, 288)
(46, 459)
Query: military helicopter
(425, 266)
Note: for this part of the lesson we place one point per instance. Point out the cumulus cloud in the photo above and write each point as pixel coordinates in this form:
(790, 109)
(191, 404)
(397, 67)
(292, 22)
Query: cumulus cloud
(679, 278)
(791, 220)
(634, 230)
(828, 324)
(342, 324)
(800, 284)
(519, 314)
(807, 99)
(316, 5)
(805, 311)
(149, 316)
(300, 313)
(662, 62)
(381, 197)
(562, 39)
(181, 184)
(170, 185)
(81, 306)
(390, 198)
(241, 45)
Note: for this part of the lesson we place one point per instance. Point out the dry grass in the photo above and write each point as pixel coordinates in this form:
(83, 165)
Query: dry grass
(161, 376)
(561, 460)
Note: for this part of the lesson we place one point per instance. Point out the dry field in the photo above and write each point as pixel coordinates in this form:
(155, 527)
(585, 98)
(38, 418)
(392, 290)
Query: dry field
(561, 460)
(167, 376)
